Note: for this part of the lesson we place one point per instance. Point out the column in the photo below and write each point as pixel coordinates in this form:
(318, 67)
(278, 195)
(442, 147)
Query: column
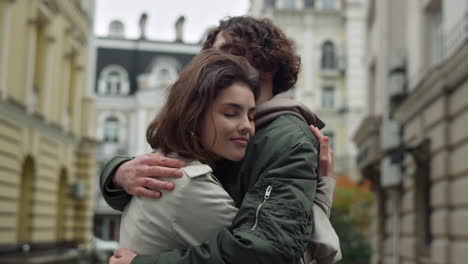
(4, 41)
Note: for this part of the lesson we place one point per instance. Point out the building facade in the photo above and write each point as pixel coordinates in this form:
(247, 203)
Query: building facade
(131, 78)
(47, 145)
(413, 141)
(329, 37)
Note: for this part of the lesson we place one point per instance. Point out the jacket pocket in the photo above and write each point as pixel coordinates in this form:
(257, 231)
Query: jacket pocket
(259, 207)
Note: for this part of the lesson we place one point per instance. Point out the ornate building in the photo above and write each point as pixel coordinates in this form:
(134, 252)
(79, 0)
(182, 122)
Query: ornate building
(47, 145)
(413, 141)
(131, 77)
(329, 37)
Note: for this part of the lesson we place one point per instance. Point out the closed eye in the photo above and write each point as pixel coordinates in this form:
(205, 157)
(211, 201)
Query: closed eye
(230, 115)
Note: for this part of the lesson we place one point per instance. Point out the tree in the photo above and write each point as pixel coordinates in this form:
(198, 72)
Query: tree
(351, 219)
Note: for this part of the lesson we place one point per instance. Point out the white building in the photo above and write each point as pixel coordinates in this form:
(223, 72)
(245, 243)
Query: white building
(329, 37)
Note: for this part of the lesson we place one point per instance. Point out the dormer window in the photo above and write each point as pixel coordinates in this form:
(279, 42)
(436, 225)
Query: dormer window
(113, 80)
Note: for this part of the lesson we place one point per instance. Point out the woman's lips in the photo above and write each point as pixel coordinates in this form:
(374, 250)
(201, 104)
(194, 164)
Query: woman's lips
(241, 141)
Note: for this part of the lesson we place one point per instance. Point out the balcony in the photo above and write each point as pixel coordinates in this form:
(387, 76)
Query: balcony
(367, 139)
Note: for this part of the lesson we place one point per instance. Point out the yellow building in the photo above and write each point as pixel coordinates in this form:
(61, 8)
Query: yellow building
(46, 143)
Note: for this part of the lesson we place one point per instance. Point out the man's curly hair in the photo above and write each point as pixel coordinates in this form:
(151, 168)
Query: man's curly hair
(265, 46)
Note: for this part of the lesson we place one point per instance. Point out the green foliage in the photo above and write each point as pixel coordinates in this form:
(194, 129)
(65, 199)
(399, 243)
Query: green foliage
(351, 219)
(354, 247)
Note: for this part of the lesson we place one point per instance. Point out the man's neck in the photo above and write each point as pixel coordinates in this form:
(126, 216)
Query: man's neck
(265, 91)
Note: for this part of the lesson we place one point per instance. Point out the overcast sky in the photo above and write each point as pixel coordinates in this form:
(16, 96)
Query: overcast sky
(162, 14)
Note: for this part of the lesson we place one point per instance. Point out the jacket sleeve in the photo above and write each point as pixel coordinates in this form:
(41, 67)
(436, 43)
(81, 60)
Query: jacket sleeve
(116, 198)
(324, 195)
(204, 201)
(274, 222)
(324, 244)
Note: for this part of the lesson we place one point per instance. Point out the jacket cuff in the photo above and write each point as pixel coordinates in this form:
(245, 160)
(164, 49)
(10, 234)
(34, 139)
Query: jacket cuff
(325, 193)
(108, 173)
(144, 259)
(117, 198)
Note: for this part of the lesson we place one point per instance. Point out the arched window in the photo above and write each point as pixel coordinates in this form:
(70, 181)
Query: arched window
(113, 80)
(62, 203)
(111, 130)
(328, 55)
(162, 72)
(25, 201)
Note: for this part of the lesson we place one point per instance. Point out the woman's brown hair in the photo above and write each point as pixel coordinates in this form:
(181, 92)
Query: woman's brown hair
(264, 44)
(177, 126)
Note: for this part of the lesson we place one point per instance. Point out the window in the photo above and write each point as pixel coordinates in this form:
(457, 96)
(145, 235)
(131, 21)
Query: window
(328, 55)
(111, 130)
(328, 4)
(434, 31)
(113, 80)
(270, 3)
(309, 3)
(62, 204)
(162, 72)
(423, 210)
(164, 75)
(24, 226)
(289, 4)
(331, 139)
(328, 97)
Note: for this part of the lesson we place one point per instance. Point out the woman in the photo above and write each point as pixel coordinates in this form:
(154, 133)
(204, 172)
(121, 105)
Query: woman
(208, 115)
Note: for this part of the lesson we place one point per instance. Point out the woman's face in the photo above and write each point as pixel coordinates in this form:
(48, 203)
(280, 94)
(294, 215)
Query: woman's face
(227, 125)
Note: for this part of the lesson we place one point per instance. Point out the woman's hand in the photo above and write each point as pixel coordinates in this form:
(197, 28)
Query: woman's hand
(326, 161)
(122, 256)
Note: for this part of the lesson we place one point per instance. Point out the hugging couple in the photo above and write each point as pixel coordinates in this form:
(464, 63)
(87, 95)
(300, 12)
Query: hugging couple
(240, 172)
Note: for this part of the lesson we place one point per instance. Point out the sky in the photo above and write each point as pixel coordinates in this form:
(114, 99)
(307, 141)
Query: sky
(162, 15)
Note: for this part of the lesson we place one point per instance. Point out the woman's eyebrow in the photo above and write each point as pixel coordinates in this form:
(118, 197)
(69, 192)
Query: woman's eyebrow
(238, 106)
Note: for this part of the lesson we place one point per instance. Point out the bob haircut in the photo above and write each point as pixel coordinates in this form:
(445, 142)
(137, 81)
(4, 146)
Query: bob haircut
(265, 46)
(177, 126)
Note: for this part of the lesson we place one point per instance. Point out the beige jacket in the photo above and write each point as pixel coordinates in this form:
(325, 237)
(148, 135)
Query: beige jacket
(184, 217)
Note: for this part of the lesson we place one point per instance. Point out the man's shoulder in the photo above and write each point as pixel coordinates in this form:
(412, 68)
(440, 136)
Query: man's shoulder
(286, 129)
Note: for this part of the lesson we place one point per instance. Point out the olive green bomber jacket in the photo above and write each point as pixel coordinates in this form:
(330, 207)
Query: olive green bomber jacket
(274, 220)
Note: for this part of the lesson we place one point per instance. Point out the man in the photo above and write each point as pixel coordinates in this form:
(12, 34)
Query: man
(275, 184)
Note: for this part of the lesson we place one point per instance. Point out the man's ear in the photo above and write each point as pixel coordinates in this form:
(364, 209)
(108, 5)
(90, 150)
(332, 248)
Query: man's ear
(266, 75)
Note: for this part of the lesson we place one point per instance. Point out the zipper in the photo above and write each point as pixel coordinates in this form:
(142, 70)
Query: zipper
(265, 198)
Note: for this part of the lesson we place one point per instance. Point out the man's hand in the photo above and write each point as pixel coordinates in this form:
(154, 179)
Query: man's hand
(122, 256)
(326, 161)
(136, 176)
